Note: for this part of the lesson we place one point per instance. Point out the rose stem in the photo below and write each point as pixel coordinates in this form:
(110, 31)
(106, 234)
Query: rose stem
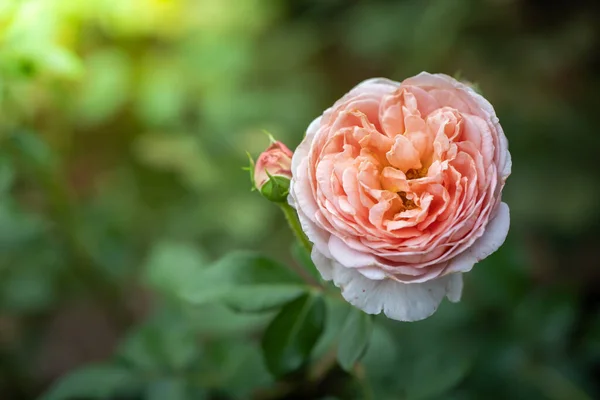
(294, 223)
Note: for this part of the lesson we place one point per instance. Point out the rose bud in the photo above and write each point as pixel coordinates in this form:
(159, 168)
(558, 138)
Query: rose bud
(399, 187)
(272, 172)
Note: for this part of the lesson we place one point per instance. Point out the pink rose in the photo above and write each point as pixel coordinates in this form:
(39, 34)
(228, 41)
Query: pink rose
(272, 172)
(398, 185)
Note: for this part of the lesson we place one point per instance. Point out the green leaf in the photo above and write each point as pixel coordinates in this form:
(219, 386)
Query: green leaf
(592, 340)
(337, 311)
(161, 92)
(18, 227)
(245, 281)
(218, 320)
(7, 175)
(381, 363)
(431, 357)
(140, 350)
(167, 340)
(250, 374)
(22, 290)
(171, 389)
(92, 382)
(233, 365)
(434, 374)
(62, 62)
(171, 265)
(291, 336)
(354, 338)
(107, 85)
(302, 257)
(34, 150)
(181, 153)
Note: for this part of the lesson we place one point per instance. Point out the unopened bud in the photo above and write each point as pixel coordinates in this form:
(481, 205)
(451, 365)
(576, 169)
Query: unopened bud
(272, 172)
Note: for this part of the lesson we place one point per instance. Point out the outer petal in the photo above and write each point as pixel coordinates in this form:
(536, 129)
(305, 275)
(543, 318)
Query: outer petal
(324, 265)
(493, 237)
(402, 302)
(375, 85)
(348, 256)
(506, 163)
(316, 235)
(455, 286)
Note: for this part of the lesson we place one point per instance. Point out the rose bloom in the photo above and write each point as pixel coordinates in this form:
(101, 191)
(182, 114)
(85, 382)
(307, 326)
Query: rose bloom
(398, 185)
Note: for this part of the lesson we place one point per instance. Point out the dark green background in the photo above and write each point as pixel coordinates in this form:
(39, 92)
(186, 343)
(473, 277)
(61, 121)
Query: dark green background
(123, 130)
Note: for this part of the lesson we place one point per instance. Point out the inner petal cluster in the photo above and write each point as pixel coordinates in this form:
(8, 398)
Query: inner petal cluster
(402, 176)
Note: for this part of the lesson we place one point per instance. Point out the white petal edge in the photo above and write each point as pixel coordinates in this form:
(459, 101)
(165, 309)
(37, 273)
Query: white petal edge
(491, 240)
(454, 287)
(398, 301)
(324, 265)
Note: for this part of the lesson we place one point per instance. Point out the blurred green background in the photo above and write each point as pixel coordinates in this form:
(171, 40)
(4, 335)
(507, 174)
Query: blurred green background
(123, 130)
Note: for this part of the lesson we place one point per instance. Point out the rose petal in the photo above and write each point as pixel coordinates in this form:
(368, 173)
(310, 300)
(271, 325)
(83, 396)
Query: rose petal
(398, 301)
(455, 287)
(324, 265)
(492, 239)
(348, 256)
(403, 154)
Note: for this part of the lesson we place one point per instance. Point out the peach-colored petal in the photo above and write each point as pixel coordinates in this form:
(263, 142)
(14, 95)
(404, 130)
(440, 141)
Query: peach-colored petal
(403, 154)
(394, 180)
(489, 242)
(390, 115)
(424, 101)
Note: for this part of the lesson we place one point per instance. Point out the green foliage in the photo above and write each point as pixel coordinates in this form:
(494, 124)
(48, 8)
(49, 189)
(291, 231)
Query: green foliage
(106, 87)
(171, 265)
(152, 349)
(244, 281)
(354, 338)
(172, 389)
(336, 312)
(92, 382)
(291, 336)
(33, 150)
(234, 366)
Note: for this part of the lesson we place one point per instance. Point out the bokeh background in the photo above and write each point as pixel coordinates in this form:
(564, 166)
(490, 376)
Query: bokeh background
(123, 129)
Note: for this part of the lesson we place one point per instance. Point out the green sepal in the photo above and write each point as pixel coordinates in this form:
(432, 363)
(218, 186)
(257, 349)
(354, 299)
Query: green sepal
(276, 189)
(250, 168)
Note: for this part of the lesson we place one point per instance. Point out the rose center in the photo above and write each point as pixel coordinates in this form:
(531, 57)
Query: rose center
(416, 173)
(407, 204)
